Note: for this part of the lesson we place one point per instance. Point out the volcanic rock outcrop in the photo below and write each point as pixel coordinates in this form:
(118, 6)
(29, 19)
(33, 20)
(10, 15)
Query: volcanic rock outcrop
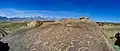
(77, 36)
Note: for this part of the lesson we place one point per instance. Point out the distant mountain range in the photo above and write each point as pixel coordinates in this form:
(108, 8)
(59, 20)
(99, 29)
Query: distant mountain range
(42, 18)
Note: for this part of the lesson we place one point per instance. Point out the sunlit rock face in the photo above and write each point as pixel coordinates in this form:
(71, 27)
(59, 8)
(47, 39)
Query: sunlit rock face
(35, 23)
(60, 37)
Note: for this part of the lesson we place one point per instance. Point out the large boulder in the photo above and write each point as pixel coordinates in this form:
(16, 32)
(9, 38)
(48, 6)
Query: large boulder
(59, 37)
(35, 23)
(84, 19)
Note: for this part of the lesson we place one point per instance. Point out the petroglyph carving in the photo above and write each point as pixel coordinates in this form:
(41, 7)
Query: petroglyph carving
(81, 42)
(67, 48)
(71, 42)
(45, 43)
(37, 42)
(33, 49)
(71, 39)
(82, 48)
(3, 33)
(89, 36)
(60, 41)
(88, 43)
(60, 45)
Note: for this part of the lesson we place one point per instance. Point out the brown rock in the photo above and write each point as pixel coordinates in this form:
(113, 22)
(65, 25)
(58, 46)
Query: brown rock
(35, 23)
(59, 37)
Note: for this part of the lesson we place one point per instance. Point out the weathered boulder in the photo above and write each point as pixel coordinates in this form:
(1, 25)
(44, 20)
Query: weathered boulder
(35, 23)
(85, 19)
(59, 37)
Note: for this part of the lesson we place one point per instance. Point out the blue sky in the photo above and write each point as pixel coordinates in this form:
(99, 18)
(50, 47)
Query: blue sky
(98, 10)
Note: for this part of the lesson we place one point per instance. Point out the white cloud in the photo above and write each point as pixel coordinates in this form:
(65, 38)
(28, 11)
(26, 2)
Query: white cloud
(9, 12)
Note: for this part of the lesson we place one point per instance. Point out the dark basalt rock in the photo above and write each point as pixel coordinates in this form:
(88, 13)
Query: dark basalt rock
(4, 46)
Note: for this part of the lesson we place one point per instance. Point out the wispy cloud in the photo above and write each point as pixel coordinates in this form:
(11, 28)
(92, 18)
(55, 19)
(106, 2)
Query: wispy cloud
(13, 12)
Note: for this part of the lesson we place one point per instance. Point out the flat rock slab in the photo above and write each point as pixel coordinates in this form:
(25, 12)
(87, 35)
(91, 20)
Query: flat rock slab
(59, 37)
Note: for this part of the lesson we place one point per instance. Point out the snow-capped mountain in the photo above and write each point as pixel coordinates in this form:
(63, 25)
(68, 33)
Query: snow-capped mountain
(42, 18)
(14, 14)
